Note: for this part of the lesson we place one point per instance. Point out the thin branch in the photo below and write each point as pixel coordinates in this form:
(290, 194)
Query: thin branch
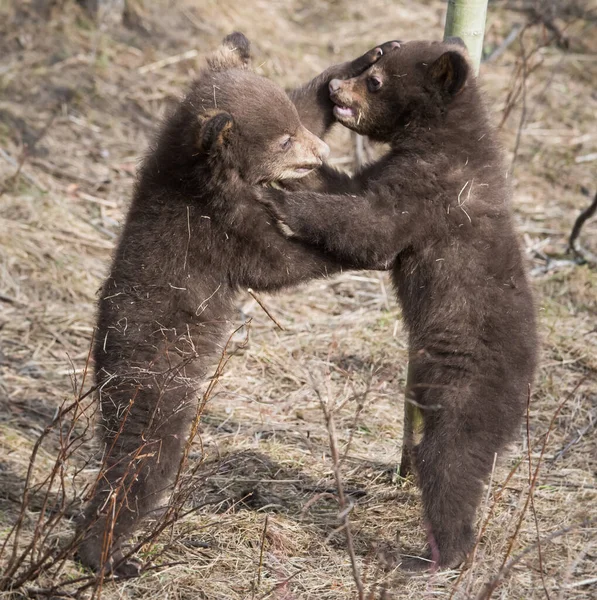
(267, 312)
(257, 577)
(573, 245)
(539, 552)
(523, 112)
(345, 508)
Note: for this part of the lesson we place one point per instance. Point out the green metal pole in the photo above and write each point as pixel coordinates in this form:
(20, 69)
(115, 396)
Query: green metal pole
(466, 20)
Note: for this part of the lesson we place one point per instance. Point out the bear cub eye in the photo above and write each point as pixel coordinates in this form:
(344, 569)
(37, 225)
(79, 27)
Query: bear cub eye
(373, 83)
(286, 142)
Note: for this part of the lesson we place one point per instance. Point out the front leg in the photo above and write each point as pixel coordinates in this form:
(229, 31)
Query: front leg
(312, 100)
(367, 230)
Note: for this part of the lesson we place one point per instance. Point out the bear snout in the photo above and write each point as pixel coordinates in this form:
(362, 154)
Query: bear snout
(322, 150)
(335, 85)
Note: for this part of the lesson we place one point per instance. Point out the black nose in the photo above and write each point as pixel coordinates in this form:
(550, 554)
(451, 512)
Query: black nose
(335, 85)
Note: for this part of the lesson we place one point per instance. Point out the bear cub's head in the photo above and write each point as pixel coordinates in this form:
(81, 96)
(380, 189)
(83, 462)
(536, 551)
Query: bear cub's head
(411, 86)
(246, 123)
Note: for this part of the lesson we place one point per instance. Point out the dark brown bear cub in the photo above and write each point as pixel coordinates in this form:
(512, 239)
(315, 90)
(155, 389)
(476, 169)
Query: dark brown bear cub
(437, 206)
(194, 236)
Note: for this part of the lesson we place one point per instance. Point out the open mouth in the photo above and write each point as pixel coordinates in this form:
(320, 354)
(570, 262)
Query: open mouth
(292, 172)
(344, 112)
(303, 170)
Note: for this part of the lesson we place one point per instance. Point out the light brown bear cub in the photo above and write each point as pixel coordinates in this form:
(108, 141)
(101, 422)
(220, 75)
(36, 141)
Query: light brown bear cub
(195, 235)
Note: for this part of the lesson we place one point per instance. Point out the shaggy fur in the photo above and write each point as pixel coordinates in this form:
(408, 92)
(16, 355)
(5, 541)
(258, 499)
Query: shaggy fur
(195, 235)
(437, 208)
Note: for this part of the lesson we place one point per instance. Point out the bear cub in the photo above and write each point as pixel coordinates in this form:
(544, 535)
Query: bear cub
(437, 208)
(195, 235)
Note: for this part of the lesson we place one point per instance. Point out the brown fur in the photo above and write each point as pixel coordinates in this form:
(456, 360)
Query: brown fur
(195, 234)
(436, 208)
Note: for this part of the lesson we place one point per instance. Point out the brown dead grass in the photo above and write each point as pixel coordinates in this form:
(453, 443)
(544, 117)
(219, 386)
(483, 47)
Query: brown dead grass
(265, 442)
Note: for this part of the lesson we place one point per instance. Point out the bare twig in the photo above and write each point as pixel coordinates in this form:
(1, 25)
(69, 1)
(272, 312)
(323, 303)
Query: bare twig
(257, 577)
(360, 405)
(166, 62)
(13, 562)
(539, 552)
(26, 152)
(19, 165)
(508, 41)
(280, 584)
(267, 312)
(523, 72)
(523, 112)
(573, 245)
(345, 508)
(580, 434)
(485, 509)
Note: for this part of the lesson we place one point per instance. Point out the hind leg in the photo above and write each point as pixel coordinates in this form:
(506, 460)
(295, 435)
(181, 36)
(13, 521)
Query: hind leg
(452, 463)
(138, 474)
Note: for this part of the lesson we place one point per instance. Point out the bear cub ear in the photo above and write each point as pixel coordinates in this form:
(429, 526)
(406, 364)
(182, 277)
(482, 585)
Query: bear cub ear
(233, 53)
(239, 43)
(450, 72)
(215, 130)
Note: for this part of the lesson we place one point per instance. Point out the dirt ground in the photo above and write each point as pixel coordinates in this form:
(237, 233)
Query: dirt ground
(78, 105)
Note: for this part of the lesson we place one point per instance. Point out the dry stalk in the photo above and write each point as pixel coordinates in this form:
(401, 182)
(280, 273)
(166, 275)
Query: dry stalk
(257, 584)
(518, 89)
(183, 488)
(487, 520)
(280, 584)
(26, 153)
(532, 496)
(523, 85)
(471, 569)
(360, 406)
(345, 508)
(573, 245)
(267, 312)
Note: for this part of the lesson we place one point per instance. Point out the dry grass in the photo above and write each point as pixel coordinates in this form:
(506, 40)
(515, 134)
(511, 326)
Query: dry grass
(85, 103)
